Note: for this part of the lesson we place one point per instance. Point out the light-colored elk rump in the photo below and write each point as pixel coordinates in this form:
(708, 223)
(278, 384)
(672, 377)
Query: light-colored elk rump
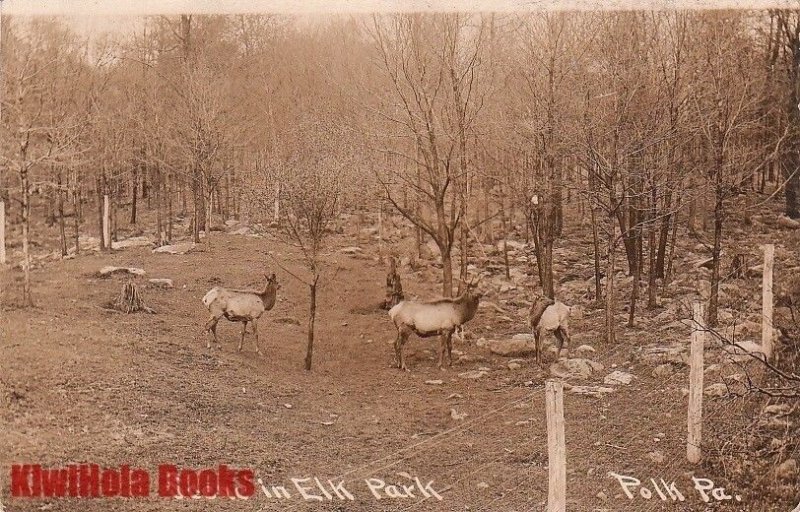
(244, 306)
(433, 318)
(549, 316)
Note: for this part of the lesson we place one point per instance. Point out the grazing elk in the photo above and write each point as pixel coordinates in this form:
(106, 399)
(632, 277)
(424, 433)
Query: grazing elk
(548, 315)
(433, 318)
(240, 306)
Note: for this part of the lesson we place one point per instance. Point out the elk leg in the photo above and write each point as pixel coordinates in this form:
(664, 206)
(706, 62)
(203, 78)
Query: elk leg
(244, 329)
(398, 349)
(560, 335)
(255, 331)
(211, 325)
(450, 348)
(537, 335)
(442, 348)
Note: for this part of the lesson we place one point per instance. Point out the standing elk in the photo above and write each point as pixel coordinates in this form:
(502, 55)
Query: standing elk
(548, 315)
(433, 318)
(240, 306)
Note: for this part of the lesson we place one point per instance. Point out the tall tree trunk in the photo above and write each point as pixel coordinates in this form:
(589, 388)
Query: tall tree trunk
(610, 271)
(168, 188)
(598, 288)
(78, 211)
(134, 192)
(792, 165)
(447, 272)
(713, 303)
(27, 298)
(62, 230)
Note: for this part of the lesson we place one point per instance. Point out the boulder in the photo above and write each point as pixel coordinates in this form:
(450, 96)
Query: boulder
(596, 391)
(740, 351)
(161, 283)
(473, 374)
(618, 377)
(136, 241)
(110, 270)
(510, 348)
(179, 248)
(788, 223)
(656, 354)
(719, 389)
(576, 368)
(787, 470)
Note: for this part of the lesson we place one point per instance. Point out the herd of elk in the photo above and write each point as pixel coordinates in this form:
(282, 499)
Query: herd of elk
(439, 317)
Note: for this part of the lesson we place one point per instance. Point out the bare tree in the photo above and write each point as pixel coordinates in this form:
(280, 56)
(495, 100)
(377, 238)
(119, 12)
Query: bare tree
(431, 64)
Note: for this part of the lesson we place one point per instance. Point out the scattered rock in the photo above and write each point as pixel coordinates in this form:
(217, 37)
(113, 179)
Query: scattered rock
(514, 366)
(618, 377)
(109, 271)
(510, 348)
(596, 391)
(473, 374)
(660, 354)
(787, 470)
(482, 485)
(740, 351)
(179, 248)
(135, 241)
(351, 250)
(467, 358)
(777, 409)
(718, 389)
(584, 350)
(601, 495)
(436, 382)
(161, 282)
(663, 370)
(576, 368)
(458, 416)
(656, 457)
(788, 223)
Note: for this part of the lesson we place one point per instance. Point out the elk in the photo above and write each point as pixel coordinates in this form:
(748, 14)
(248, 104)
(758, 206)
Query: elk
(438, 317)
(549, 315)
(244, 306)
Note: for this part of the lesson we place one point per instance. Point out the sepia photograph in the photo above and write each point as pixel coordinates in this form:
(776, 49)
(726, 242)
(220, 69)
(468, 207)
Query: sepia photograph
(400, 256)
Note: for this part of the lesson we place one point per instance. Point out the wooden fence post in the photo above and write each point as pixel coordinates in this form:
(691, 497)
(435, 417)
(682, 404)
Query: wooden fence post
(2, 233)
(693, 451)
(766, 301)
(556, 449)
(106, 224)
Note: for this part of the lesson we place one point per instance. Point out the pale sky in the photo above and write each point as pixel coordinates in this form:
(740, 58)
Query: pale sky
(97, 16)
(138, 7)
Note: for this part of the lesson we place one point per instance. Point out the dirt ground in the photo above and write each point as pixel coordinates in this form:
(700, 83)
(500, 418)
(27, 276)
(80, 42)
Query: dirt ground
(81, 384)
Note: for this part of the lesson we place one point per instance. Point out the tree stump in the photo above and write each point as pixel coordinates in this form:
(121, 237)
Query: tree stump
(130, 300)
(394, 289)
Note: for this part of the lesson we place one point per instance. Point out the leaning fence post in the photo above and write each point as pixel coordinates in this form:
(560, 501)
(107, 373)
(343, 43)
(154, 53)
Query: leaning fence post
(693, 451)
(766, 301)
(556, 449)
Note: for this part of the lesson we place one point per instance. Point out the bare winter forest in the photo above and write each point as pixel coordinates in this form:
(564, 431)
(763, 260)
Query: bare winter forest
(639, 167)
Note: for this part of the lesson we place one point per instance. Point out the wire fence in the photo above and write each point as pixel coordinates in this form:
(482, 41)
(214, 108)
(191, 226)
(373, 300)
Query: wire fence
(620, 456)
